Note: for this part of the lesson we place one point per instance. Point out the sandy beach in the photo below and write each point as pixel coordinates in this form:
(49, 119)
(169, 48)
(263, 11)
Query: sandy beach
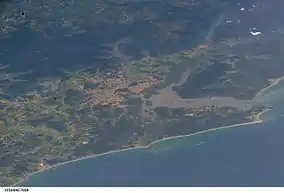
(273, 82)
(256, 120)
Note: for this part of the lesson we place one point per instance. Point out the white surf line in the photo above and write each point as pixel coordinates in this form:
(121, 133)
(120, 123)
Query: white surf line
(167, 138)
(140, 147)
(204, 131)
(270, 86)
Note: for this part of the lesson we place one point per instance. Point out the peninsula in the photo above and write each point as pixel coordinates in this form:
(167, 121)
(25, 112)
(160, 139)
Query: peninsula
(100, 76)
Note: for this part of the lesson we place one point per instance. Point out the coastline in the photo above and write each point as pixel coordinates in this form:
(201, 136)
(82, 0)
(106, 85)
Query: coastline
(256, 121)
(274, 83)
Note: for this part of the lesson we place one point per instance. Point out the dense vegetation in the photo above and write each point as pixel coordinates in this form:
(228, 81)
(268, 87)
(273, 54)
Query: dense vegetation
(56, 54)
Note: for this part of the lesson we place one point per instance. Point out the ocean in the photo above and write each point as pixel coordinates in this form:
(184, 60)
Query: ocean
(248, 155)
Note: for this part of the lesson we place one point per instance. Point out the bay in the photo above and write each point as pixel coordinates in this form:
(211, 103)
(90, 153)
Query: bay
(247, 155)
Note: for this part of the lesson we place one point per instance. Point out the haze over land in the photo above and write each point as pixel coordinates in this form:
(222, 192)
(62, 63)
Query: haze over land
(80, 78)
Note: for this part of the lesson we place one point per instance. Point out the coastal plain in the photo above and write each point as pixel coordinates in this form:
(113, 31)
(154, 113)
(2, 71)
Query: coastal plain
(122, 74)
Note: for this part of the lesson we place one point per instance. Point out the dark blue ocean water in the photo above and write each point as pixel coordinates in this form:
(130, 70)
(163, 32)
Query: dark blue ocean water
(250, 155)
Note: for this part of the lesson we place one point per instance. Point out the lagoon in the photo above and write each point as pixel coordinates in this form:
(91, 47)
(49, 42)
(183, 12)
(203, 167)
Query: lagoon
(244, 155)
